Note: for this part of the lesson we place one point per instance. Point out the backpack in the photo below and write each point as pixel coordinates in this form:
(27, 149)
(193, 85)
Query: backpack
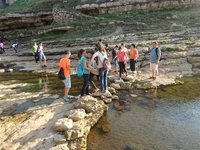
(61, 74)
(160, 54)
(106, 64)
(80, 70)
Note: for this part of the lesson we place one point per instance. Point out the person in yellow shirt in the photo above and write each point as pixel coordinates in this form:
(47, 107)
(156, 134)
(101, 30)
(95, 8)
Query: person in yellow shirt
(65, 64)
(133, 58)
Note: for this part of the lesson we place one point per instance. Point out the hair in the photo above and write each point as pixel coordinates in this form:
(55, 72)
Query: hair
(133, 45)
(81, 51)
(120, 47)
(100, 40)
(40, 43)
(67, 52)
(116, 46)
(155, 42)
(102, 48)
(122, 44)
(106, 44)
(91, 52)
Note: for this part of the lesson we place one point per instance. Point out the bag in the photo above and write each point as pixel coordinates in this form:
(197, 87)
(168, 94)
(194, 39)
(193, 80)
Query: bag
(106, 64)
(160, 54)
(61, 74)
(80, 70)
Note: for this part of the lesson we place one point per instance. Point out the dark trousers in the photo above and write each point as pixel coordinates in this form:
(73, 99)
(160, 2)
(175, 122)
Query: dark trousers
(92, 82)
(85, 88)
(36, 57)
(122, 68)
(132, 64)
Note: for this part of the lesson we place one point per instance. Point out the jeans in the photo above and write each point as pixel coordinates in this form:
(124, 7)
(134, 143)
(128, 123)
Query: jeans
(122, 68)
(132, 64)
(103, 78)
(85, 88)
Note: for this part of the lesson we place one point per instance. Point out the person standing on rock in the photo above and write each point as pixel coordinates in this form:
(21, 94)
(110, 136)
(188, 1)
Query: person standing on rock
(114, 53)
(34, 50)
(65, 64)
(41, 55)
(102, 72)
(154, 60)
(121, 57)
(133, 58)
(86, 71)
(2, 45)
(14, 46)
(126, 58)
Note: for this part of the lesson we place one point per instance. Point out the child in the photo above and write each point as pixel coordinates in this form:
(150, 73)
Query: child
(41, 55)
(65, 64)
(34, 50)
(114, 53)
(15, 45)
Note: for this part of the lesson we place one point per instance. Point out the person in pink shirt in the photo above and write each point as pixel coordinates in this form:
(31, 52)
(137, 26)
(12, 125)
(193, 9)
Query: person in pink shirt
(121, 57)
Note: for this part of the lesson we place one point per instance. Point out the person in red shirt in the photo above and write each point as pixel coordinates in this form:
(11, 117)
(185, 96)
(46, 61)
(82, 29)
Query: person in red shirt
(133, 58)
(121, 57)
(65, 64)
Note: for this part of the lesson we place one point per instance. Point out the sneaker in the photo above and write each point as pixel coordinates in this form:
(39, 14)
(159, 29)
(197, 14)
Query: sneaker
(154, 78)
(95, 90)
(45, 65)
(67, 99)
(151, 78)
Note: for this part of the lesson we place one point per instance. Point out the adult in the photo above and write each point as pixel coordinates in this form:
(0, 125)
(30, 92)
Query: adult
(101, 54)
(86, 71)
(126, 57)
(122, 57)
(34, 50)
(133, 58)
(41, 55)
(154, 60)
(65, 64)
(93, 73)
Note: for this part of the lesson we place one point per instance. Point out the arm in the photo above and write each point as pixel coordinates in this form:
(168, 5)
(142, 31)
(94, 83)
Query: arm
(70, 68)
(92, 59)
(85, 66)
(157, 61)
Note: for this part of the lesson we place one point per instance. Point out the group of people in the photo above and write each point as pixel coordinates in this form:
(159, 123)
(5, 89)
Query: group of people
(92, 64)
(39, 54)
(14, 45)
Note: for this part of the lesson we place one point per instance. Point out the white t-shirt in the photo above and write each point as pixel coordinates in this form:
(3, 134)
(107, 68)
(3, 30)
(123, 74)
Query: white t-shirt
(101, 55)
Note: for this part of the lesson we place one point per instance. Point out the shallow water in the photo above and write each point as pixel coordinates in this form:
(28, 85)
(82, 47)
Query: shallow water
(164, 119)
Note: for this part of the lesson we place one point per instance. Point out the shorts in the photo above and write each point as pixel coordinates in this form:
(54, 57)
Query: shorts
(67, 82)
(41, 56)
(153, 66)
(115, 63)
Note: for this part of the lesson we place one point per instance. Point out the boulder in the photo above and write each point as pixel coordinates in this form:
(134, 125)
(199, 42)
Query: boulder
(63, 124)
(59, 138)
(87, 99)
(127, 78)
(75, 133)
(76, 114)
(112, 90)
(115, 86)
(107, 100)
(99, 94)
(115, 97)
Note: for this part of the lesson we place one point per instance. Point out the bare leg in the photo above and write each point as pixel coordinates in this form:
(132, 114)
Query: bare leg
(66, 91)
(153, 73)
(41, 63)
(44, 61)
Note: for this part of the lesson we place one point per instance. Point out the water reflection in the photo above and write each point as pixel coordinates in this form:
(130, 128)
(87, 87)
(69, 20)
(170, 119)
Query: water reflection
(43, 82)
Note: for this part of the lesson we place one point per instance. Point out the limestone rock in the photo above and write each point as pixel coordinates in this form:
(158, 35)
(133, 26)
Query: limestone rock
(60, 147)
(112, 90)
(115, 97)
(107, 100)
(72, 134)
(88, 98)
(59, 139)
(127, 78)
(63, 124)
(105, 128)
(77, 114)
(115, 86)
(99, 94)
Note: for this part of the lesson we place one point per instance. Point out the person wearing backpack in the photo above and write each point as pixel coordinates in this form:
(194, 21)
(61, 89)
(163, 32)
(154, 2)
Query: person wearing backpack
(121, 57)
(86, 71)
(102, 55)
(133, 58)
(65, 64)
(154, 60)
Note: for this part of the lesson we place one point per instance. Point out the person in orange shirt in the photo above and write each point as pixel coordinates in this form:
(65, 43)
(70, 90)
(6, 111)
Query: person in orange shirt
(65, 64)
(133, 58)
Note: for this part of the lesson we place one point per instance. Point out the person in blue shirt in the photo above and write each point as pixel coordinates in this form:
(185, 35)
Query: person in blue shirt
(154, 60)
(86, 71)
